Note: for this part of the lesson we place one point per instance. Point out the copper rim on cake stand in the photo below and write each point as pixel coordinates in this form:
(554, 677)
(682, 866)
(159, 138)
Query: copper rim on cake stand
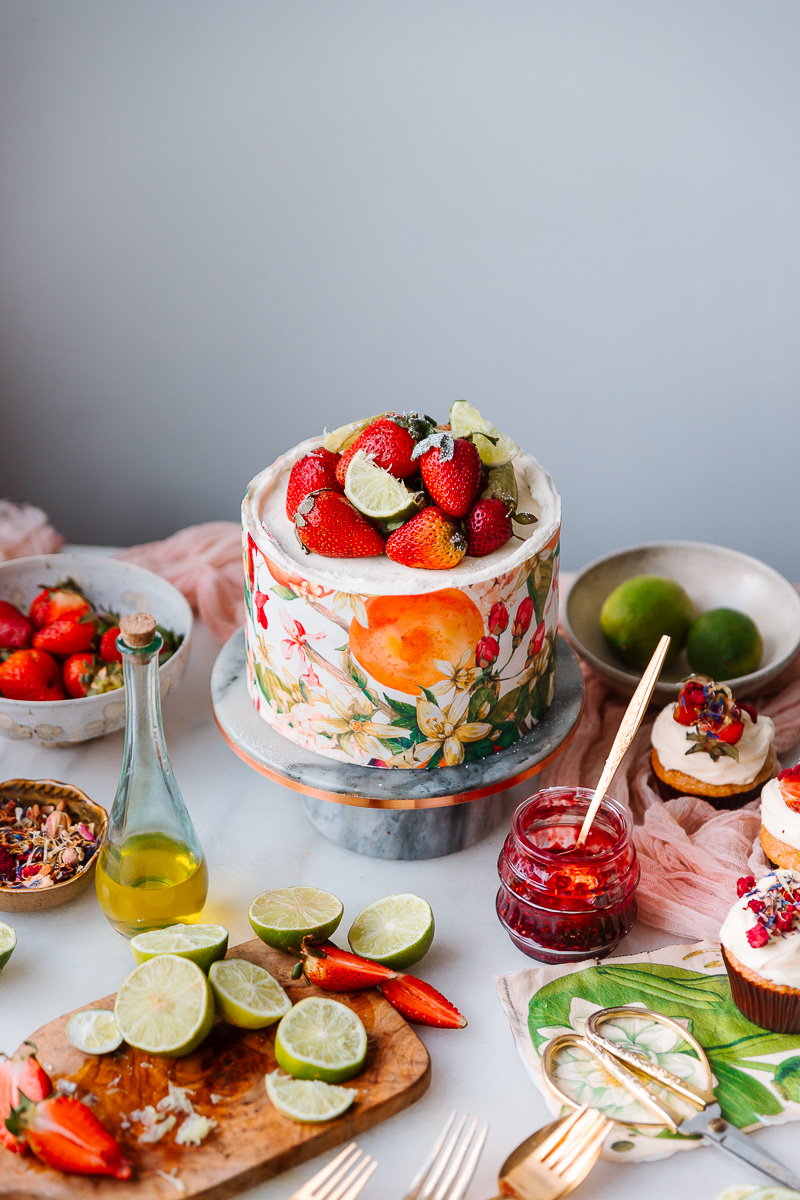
(400, 814)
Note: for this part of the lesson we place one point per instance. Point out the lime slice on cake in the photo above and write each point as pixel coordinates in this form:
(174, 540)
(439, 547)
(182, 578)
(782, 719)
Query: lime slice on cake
(307, 1100)
(375, 492)
(283, 917)
(246, 994)
(342, 438)
(8, 941)
(396, 931)
(321, 1039)
(94, 1031)
(165, 1006)
(465, 420)
(201, 944)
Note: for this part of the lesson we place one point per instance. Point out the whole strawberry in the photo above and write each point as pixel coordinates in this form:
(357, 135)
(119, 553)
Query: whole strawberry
(16, 631)
(327, 523)
(108, 645)
(311, 473)
(78, 672)
(389, 443)
(488, 527)
(451, 471)
(55, 602)
(430, 540)
(67, 635)
(30, 675)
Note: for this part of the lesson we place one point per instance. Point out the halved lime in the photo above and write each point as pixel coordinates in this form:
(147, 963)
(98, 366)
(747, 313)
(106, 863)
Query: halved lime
(307, 1100)
(246, 994)
(375, 492)
(464, 419)
(165, 1006)
(396, 931)
(94, 1031)
(283, 917)
(321, 1039)
(8, 941)
(342, 438)
(201, 944)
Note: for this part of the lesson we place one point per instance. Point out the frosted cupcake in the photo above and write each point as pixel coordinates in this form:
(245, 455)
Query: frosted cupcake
(780, 819)
(761, 949)
(705, 744)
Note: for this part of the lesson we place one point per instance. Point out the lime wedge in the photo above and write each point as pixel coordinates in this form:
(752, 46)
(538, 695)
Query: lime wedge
(321, 1039)
(464, 419)
(8, 941)
(306, 1100)
(283, 917)
(246, 994)
(342, 438)
(396, 931)
(201, 944)
(375, 492)
(165, 1006)
(94, 1031)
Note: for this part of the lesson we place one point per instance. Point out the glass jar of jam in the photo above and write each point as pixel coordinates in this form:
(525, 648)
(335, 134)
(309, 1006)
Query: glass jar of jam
(558, 905)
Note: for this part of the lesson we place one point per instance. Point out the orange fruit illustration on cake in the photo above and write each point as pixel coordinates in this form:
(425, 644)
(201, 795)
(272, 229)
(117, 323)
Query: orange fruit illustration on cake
(407, 634)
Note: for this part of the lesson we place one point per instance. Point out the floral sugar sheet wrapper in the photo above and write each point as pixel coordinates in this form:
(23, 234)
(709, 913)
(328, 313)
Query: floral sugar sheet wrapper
(756, 1073)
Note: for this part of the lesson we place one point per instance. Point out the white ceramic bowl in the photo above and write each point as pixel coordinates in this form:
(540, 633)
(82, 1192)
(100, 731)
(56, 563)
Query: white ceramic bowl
(714, 577)
(112, 585)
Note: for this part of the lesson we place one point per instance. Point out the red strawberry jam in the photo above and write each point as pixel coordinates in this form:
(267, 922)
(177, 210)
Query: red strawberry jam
(558, 905)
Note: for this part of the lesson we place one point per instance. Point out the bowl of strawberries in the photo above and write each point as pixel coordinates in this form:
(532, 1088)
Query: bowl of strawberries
(60, 670)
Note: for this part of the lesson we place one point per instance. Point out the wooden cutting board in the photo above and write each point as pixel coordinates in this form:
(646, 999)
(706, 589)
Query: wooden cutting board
(253, 1142)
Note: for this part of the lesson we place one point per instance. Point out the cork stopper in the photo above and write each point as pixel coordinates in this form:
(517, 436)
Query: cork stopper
(138, 630)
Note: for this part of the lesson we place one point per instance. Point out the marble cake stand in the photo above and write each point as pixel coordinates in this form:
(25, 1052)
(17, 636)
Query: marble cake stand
(401, 814)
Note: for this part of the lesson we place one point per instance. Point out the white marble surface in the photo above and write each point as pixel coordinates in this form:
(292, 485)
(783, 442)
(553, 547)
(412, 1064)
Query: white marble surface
(256, 836)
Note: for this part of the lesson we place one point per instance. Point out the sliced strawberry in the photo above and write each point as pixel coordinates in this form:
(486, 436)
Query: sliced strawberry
(108, 645)
(421, 1004)
(60, 601)
(78, 672)
(451, 471)
(31, 675)
(67, 635)
(313, 472)
(327, 523)
(65, 1134)
(338, 970)
(389, 443)
(16, 631)
(691, 701)
(728, 731)
(789, 781)
(21, 1073)
(431, 540)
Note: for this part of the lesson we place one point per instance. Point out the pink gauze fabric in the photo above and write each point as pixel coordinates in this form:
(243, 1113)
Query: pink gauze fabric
(24, 530)
(205, 563)
(690, 854)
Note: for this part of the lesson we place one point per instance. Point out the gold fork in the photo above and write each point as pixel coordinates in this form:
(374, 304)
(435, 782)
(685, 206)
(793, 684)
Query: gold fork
(342, 1179)
(556, 1158)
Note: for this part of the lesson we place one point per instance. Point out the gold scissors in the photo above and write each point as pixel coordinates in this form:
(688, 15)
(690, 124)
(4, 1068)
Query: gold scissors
(701, 1112)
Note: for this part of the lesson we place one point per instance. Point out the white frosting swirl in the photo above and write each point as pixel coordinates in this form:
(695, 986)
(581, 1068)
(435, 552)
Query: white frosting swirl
(778, 960)
(670, 743)
(776, 816)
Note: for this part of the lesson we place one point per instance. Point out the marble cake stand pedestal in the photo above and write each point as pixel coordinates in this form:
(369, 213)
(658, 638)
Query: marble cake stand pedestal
(401, 814)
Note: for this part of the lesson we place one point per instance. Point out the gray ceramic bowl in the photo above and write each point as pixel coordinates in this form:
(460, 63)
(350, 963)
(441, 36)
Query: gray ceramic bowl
(713, 577)
(111, 585)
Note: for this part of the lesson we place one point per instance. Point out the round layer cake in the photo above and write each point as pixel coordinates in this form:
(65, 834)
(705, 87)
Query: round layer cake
(378, 664)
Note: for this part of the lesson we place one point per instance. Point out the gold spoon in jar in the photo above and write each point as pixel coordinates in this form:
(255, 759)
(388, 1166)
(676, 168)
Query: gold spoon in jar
(625, 734)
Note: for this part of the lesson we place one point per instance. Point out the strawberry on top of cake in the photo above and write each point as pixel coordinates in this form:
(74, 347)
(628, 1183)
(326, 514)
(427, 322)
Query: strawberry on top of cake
(707, 741)
(780, 818)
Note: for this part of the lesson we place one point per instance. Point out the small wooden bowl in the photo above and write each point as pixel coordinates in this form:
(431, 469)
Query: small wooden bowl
(78, 805)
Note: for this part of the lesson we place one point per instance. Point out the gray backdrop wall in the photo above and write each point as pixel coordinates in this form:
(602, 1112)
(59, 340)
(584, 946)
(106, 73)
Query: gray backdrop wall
(227, 223)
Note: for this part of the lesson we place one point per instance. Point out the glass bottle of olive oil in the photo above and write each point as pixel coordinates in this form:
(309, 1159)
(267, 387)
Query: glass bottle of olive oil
(151, 871)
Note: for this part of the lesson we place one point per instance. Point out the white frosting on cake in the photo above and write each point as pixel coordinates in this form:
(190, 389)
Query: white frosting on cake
(776, 816)
(779, 959)
(670, 743)
(264, 515)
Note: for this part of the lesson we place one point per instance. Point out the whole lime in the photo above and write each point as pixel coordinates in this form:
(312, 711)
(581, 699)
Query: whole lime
(724, 644)
(640, 611)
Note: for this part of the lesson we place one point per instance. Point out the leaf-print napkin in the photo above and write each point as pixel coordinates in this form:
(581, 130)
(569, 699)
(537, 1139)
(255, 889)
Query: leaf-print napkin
(756, 1073)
